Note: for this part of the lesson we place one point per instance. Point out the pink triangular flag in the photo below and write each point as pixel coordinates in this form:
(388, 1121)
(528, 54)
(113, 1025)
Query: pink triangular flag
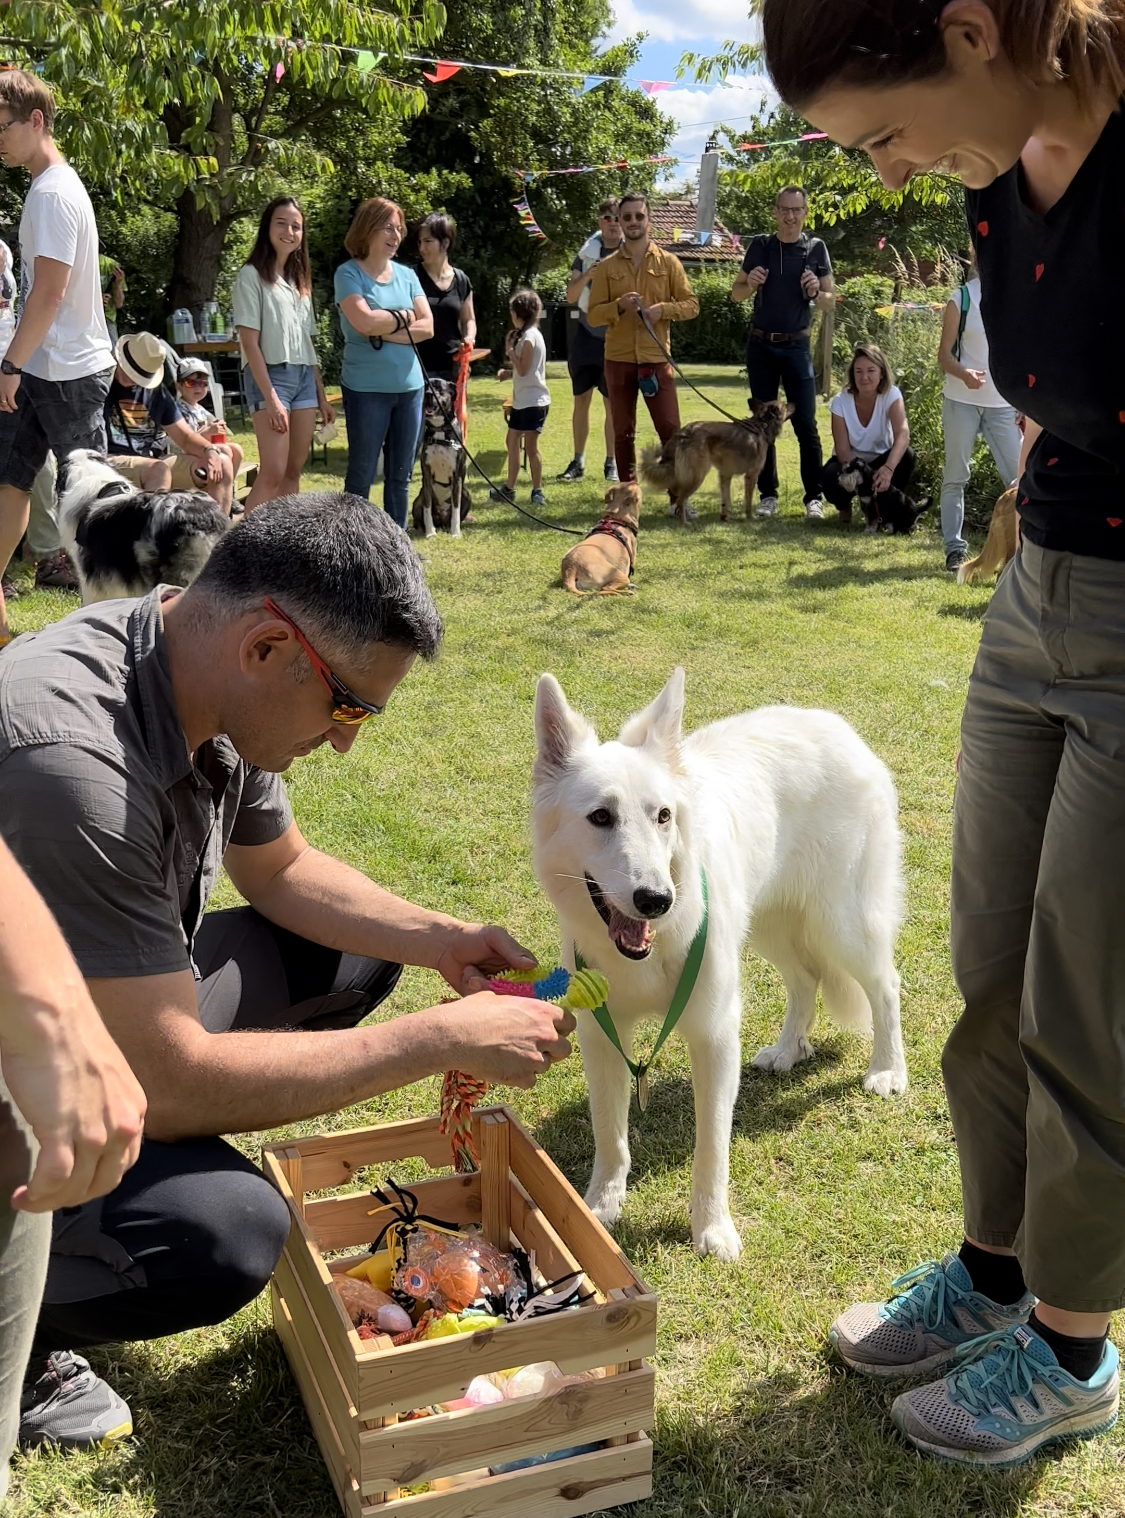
(442, 71)
(651, 86)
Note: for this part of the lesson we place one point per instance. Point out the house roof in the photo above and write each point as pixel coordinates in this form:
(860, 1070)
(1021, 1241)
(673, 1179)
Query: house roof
(666, 216)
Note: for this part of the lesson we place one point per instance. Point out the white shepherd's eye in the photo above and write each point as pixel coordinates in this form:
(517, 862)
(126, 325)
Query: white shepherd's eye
(664, 814)
(600, 818)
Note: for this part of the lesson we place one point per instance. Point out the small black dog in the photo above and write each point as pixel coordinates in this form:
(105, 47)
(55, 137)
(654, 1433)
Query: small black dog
(443, 500)
(894, 511)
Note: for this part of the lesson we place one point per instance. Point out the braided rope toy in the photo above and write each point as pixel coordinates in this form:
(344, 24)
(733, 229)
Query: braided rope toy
(461, 1092)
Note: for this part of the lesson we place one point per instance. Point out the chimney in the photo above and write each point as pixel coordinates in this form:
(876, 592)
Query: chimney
(708, 192)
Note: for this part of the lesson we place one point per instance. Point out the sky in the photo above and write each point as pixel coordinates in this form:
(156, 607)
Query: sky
(699, 26)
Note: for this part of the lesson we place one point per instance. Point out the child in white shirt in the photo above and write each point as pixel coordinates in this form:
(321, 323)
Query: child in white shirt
(531, 399)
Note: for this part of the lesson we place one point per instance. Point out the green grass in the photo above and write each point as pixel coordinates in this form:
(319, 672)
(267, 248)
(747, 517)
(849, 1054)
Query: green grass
(834, 1192)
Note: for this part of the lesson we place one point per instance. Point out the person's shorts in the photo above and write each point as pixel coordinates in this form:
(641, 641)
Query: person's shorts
(51, 416)
(528, 418)
(586, 364)
(295, 385)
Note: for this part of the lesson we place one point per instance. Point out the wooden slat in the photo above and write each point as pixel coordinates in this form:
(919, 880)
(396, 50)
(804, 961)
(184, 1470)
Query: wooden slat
(340, 1222)
(294, 1173)
(533, 1231)
(342, 1340)
(451, 1443)
(575, 1224)
(440, 1370)
(495, 1190)
(332, 1159)
(333, 1388)
(340, 1473)
(566, 1488)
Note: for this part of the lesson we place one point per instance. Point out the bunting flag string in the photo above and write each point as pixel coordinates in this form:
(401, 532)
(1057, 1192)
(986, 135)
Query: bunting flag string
(529, 176)
(527, 220)
(786, 142)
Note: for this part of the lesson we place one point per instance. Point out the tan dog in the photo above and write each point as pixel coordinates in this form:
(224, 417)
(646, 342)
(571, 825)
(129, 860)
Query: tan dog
(1000, 544)
(686, 459)
(604, 559)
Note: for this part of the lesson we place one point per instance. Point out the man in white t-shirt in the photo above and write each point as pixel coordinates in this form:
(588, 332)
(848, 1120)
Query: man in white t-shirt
(971, 407)
(55, 375)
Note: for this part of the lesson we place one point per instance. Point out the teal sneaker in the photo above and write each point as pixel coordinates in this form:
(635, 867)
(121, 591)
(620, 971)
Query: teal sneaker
(1005, 1399)
(934, 1310)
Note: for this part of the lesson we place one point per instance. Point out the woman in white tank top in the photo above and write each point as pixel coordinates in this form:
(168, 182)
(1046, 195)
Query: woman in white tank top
(868, 423)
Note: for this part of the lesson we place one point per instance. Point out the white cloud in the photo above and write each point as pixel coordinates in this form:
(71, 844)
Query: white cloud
(675, 20)
(696, 112)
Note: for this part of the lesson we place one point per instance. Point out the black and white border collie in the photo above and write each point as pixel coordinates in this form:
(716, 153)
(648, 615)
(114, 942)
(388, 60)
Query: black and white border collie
(123, 541)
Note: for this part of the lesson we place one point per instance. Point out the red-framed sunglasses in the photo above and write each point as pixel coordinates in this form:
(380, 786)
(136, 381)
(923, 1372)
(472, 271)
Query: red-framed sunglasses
(346, 705)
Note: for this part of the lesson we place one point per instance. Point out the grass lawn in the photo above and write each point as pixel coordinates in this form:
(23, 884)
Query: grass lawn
(834, 1192)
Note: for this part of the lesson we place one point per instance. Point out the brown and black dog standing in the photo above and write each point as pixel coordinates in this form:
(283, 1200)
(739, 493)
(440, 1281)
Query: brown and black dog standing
(603, 561)
(686, 459)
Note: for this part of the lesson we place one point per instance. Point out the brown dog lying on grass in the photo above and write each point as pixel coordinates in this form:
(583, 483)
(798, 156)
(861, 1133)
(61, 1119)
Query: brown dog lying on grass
(603, 561)
(1000, 544)
(686, 459)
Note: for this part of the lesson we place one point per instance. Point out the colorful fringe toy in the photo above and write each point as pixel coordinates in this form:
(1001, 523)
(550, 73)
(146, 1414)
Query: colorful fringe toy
(461, 1092)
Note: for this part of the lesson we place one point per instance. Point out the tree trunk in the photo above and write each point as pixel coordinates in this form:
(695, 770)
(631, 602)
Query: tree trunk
(198, 255)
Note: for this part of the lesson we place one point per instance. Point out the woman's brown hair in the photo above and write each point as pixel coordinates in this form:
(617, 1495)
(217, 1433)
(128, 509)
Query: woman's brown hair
(813, 44)
(874, 355)
(372, 216)
(297, 271)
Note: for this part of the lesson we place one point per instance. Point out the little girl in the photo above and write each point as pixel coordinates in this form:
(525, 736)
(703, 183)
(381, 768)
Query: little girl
(531, 400)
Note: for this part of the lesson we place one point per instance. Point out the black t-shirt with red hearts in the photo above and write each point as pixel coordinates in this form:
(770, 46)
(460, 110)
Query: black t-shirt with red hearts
(1053, 311)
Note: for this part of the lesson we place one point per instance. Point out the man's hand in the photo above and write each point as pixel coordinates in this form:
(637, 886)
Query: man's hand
(810, 285)
(505, 1039)
(475, 952)
(212, 462)
(630, 301)
(9, 384)
(881, 479)
(654, 314)
(973, 379)
(757, 276)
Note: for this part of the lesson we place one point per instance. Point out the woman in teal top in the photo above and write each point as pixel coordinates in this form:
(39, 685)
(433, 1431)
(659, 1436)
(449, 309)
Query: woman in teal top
(382, 308)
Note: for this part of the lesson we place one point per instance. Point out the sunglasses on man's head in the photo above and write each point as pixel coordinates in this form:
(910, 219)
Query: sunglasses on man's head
(346, 705)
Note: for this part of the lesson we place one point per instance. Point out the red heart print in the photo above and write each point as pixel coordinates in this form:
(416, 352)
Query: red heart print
(1030, 381)
(1114, 521)
(1051, 461)
(1025, 500)
(1121, 416)
(982, 228)
(1039, 270)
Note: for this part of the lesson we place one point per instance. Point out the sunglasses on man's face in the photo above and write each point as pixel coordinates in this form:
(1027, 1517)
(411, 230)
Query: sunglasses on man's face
(640, 216)
(346, 705)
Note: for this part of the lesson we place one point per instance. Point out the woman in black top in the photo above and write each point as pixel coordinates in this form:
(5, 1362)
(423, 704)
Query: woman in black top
(450, 296)
(1020, 98)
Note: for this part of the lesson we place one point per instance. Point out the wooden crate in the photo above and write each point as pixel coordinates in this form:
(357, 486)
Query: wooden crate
(356, 1390)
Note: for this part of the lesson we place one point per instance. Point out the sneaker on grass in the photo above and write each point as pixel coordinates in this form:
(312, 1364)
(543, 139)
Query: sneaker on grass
(538, 498)
(55, 573)
(502, 493)
(1006, 1398)
(610, 470)
(933, 1312)
(67, 1405)
(573, 471)
(814, 510)
(767, 506)
(954, 560)
(690, 513)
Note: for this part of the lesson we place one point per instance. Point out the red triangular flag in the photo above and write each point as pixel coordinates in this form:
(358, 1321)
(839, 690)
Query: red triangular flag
(442, 71)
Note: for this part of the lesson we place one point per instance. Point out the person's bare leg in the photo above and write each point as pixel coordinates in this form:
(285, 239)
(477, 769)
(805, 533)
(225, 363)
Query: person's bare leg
(302, 425)
(14, 506)
(513, 458)
(580, 422)
(156, 476)
(273, 459)
(534, 460)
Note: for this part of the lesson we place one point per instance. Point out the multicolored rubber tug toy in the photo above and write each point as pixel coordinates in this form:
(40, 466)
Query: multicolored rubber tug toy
(460, 1092)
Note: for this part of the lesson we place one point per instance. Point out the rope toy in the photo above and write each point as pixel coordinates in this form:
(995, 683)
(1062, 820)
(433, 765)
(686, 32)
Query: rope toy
(460, 1092)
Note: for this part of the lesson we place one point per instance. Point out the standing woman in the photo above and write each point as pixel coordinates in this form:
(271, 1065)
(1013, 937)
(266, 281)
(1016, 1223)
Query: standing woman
(1020, 98)
(448, 294)
(273, 311)
(382, 309)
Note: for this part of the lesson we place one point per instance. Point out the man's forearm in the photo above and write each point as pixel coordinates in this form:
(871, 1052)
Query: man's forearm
(333, 904)
(39, 311)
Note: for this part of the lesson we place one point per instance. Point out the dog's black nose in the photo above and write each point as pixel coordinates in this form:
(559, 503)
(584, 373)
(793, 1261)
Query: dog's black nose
(652, 903)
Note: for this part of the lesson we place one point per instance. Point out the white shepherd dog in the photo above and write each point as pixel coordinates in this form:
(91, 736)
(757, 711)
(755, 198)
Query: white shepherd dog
(794, 820)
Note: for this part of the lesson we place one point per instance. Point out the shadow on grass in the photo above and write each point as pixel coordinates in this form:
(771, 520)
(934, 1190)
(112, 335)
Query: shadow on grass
(967, 611)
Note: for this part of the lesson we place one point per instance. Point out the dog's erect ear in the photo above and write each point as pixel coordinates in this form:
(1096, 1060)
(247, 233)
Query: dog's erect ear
(661, 722)
(559, 731)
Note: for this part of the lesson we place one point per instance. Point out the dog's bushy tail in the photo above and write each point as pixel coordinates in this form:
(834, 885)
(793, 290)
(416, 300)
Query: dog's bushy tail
(658, 466)
(969, 568)
(846, 1002)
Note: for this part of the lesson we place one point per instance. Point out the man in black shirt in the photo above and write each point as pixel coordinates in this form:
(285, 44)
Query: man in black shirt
(784, 274)
(586, 360)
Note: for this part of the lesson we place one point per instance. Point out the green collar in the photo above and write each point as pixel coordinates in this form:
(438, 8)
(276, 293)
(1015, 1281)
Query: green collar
(686, 985)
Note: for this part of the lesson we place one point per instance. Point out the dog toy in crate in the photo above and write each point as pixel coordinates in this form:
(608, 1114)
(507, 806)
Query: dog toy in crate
(452, 1273)
(460, 1092)
(371, 1309)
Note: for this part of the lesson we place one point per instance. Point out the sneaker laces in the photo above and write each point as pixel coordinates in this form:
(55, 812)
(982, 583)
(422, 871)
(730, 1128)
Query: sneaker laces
(996, 1368)
(923, 1295)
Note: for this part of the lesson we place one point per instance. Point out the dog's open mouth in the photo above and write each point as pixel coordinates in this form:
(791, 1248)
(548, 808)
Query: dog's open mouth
(631, 936)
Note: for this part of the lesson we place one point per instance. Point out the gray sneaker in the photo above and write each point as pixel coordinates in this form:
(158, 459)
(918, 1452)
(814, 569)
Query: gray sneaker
(538, 498)
(767, 506)
(610, 470)
(934, 1310)
(814, 510)
(69, 1406)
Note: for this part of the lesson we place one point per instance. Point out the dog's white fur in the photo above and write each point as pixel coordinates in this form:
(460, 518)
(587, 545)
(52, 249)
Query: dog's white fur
(89, 488)
(794, 820)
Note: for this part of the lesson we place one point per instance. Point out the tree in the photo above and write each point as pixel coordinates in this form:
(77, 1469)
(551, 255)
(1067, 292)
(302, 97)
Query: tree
(206, 107)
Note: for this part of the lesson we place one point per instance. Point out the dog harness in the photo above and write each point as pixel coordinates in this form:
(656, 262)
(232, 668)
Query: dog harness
(684, 987)
(612, 529)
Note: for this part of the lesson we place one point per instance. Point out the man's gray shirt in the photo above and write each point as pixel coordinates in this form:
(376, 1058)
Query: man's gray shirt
(99, 798)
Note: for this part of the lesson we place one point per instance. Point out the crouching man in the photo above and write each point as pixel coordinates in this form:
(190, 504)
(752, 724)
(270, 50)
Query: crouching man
(141, 748)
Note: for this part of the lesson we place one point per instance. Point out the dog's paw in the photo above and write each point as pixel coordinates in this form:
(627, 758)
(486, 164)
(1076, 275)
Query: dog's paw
(719, 1239)
(782, 1057)
(605, 1203)
(886, 1082)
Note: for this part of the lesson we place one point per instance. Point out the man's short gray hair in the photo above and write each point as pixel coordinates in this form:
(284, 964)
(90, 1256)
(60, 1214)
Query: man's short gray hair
(338, 566)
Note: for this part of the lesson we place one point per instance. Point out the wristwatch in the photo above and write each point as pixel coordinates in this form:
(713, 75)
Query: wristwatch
(7, 367)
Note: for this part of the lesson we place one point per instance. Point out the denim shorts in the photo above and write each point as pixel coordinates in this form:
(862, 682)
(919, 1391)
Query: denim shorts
(295, 385)
(51, 416)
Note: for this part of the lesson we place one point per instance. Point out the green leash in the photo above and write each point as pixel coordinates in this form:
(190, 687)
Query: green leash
(686, 985)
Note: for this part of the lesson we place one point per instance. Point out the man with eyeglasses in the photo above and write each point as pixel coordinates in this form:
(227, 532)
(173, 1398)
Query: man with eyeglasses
(586, 350)
(141, 750)
(785, 274)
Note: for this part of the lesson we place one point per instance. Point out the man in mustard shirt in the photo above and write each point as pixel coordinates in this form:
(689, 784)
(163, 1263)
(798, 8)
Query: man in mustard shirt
(639, 278)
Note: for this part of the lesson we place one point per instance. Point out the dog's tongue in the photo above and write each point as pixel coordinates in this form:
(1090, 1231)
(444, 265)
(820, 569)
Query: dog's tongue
(629, 931)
